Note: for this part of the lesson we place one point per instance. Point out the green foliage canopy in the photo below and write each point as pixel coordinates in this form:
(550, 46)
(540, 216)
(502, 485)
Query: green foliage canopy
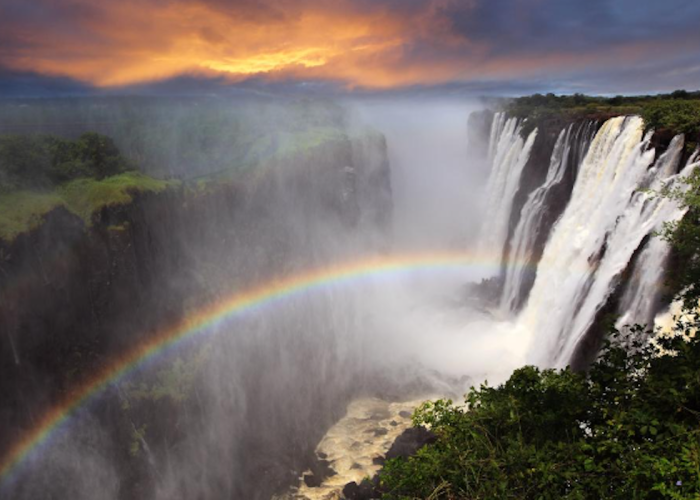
(678, 111)
(630, 428)
(681, 116)
(40, 161)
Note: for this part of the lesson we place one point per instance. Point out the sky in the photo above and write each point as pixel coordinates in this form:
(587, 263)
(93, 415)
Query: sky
(480, 47)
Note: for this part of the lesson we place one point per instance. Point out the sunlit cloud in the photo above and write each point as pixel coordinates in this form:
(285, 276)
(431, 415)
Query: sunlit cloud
(376, 44)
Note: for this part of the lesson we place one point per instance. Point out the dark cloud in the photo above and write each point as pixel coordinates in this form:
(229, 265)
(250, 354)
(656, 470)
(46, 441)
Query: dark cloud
(522, 26)
(482, 46)
(14, 84)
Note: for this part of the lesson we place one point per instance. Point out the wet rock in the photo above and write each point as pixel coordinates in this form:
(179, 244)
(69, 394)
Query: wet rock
(410, 441)
(405, 414)
(351, 491)
(366, 490)
(312, 481)
(378, 432)
(322, 469)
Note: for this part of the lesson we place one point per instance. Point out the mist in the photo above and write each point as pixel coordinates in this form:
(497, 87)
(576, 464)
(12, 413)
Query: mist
(438, 185)
(437, 182)
(238, 413)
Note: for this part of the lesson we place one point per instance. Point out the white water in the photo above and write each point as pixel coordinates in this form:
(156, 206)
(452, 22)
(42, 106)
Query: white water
(368, 429)
(519, 258)
(508, 154)
(590, 246)
(639, 303)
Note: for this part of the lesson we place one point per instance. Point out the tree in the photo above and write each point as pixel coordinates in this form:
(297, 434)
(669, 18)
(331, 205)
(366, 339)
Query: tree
(24, 162)
(630, 428)
(39, 161)
(680, 116)
(101, 154)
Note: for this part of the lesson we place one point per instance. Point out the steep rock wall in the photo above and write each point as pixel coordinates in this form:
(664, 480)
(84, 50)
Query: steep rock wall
(73, 297)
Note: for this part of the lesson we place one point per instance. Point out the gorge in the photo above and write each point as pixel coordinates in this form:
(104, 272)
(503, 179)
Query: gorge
(199, 337)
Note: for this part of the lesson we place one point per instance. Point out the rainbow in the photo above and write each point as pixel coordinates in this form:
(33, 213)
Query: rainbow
(204, 321)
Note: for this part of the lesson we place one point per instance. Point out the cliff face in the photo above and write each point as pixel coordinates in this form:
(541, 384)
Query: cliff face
(74, 296)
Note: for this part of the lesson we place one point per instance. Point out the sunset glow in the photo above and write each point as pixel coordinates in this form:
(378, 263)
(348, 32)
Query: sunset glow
(351, 44)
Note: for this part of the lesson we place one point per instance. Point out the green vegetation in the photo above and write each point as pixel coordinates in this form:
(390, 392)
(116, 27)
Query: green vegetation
(680, 116)
(205, 142)
(22, 211)
(678, 112)
(182, 137)
(86, 196)
(300, 142)
(138, 435)
(630, 428)
(174, 382)
(164, 392)
(39, 173)
(40, 161)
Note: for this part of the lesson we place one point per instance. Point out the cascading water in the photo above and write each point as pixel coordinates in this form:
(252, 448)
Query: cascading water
(569, 149)
(605, 222)
(508, 154)
(641, 300)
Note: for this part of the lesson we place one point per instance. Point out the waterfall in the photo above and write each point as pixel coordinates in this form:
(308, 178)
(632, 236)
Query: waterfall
(604, 223)
(641, 300)
(508, 153)
(569, 149)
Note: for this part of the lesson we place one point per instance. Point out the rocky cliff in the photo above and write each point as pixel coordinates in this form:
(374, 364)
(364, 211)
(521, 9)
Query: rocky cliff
(76, 294)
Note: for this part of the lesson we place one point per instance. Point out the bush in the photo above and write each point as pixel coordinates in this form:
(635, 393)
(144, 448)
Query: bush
(40, 161)
(630, 428)
(678, 115)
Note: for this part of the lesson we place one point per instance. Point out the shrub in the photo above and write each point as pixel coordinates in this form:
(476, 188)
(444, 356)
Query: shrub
(40, 161)
(630, 428)
(678, 115)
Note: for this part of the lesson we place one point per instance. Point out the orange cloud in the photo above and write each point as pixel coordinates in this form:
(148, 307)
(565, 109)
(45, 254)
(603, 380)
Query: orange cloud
(374, 44)
(131, 42)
